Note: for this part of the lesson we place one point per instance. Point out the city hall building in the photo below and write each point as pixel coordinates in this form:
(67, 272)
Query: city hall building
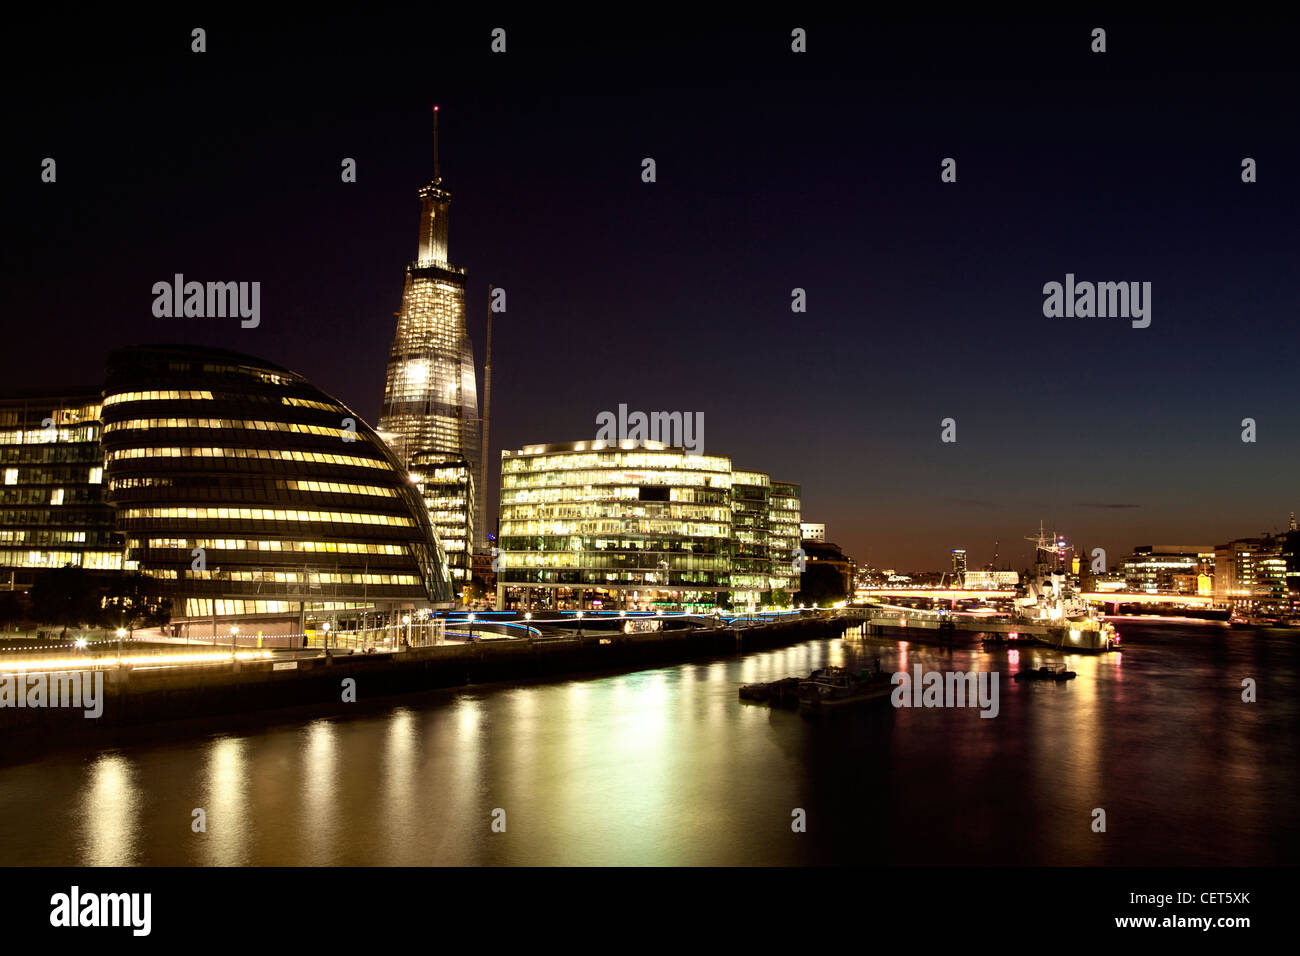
(640, 525)
(253, 493)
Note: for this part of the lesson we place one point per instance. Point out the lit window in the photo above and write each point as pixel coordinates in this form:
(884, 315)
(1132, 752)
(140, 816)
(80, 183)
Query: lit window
(56, 496)
(11, 476)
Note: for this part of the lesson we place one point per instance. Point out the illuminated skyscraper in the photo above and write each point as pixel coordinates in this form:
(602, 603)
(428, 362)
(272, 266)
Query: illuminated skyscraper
(430, 404)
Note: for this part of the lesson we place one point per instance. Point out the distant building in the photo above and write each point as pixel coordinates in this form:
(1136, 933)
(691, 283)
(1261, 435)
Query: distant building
(990, 580)
(1168, 568)
(1105, 581)
(958, 565)
(1250, 574)
(811, 531)
(828, 553)
(1291, 558)
(54, 507)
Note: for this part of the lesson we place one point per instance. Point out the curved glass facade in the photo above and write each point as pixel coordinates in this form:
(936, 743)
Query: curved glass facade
(256, 493)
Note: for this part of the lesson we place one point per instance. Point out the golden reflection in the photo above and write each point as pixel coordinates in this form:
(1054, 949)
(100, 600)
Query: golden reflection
(109, 814)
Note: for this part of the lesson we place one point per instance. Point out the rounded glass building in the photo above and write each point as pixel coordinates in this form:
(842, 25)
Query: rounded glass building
(256, 494)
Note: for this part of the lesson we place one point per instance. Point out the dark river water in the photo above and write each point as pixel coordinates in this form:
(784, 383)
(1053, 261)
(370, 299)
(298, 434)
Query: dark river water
(668, 767)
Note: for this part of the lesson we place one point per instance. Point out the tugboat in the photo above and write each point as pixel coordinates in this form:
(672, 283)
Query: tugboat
(1049, 599)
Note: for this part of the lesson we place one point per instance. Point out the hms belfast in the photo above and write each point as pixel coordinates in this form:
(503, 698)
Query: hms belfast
(430, 413)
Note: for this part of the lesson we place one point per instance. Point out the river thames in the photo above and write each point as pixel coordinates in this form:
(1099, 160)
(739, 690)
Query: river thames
(667, 767)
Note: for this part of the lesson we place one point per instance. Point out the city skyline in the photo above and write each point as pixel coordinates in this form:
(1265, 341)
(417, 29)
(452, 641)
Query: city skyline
(922, 304)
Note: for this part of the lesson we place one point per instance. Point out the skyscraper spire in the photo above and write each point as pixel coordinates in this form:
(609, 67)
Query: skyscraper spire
(430, 410)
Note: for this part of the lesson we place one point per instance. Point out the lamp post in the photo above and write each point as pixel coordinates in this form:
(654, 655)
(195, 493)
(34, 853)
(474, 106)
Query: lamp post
(121, 633)
(327, 638)
(470, 618)
(406, 619)
(579, 624)
(234, 641)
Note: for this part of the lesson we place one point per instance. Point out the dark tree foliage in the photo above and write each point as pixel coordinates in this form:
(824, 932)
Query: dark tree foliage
(820, 584)
(74, 597)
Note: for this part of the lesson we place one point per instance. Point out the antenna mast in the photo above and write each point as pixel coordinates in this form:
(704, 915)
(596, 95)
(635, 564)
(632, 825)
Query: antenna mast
(487, 420)
(437, 171)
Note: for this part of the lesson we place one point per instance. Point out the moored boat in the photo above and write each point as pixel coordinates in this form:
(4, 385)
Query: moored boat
(832, 688)
(1056, 672)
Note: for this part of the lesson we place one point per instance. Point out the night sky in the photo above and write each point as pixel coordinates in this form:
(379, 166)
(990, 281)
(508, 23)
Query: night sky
(775, 171)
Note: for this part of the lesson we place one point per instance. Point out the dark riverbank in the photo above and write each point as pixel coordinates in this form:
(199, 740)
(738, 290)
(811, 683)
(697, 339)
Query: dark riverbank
(318, 686)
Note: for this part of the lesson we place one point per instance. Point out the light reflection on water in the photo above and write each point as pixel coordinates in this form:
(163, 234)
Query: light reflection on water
(667, 766)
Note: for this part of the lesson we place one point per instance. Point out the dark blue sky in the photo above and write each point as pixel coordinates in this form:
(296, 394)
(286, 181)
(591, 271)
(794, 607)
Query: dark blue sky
(775, 170)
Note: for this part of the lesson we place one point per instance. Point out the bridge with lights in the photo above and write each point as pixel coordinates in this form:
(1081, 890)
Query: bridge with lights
(864, 595)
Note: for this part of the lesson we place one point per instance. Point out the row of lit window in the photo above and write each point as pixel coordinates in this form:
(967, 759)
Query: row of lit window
(611, 477)
(244, 544)
(72, 516)
(44, 537)
(269, 454)
(593, 560)
(156, 396)
(95, 560)
(681, 529)
(338, 488)
(251, 424)
(51, 436)
(625, 579)
(293, 577)
(266, 514)
(626, 510)
(93, 477)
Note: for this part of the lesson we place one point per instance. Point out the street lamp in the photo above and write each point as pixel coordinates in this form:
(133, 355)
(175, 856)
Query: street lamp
(234, 643)
(580, 624)
(327, 638)
(121, 633)
(406, 619)
(470, 618)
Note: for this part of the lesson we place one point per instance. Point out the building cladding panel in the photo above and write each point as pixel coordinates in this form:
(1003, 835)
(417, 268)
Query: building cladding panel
(213, 450)
(53, 501)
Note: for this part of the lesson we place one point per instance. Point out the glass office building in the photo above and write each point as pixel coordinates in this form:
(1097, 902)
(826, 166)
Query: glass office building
(254, 493)
(640, 525)
(53, 503)
(596, 525)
